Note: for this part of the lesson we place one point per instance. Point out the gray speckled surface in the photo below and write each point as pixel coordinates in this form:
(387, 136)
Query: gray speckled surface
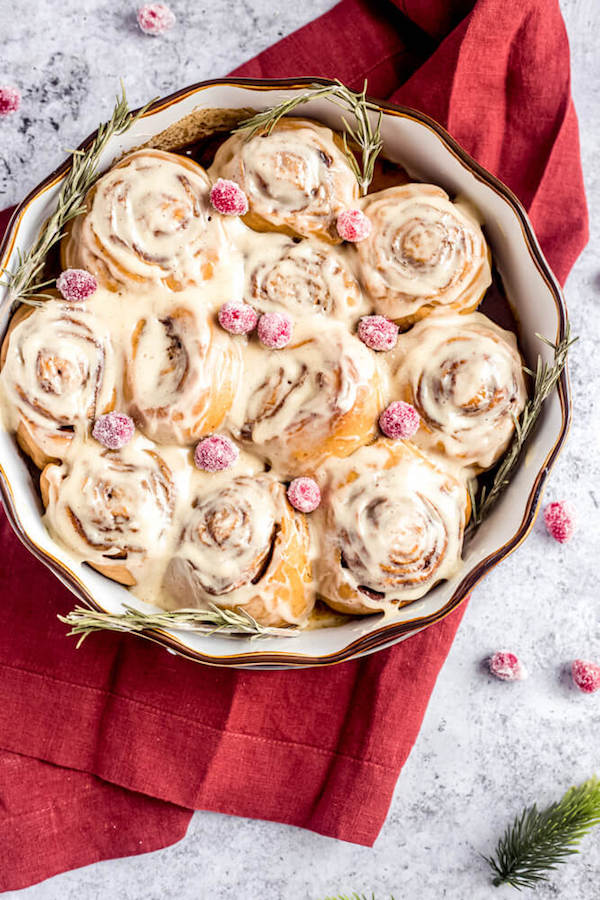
(485, 747)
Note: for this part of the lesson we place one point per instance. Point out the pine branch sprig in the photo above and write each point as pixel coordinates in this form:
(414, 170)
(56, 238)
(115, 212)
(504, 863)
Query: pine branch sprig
(538, 841)
(213, 620)
(366, 136)
(545, 378)
(21, 282)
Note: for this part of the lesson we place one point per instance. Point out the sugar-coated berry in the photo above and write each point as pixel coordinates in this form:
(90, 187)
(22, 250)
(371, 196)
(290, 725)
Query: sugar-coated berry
(237, 318)
(155, 18)
(10, 100)
(304, 494)
(586, 675)
(215, 453)
(507, 666)
(228, 198)
(560, 521)
(399, 420)
(352, 225)
(76, 285)
(275, 330)
(378, 333)
(113, 430)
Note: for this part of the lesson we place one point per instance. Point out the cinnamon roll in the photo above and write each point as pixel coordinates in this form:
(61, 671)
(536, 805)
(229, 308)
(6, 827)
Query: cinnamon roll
(464, 375)
(112, 508)
(181, 375)
(393, 528)
(148, 221)
(423, 253)
(318, 397)
(301, 277)
(297, 178)
(243, 547)
(57, 376)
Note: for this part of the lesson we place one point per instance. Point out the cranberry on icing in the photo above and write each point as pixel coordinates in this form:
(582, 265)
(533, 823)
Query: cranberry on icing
(586, 675)
(399, 420)
(237, 318)
(10, 100)
(304, 494)
(507, 666)
(352, 225)
(113, 430)
(76, 285)
(215, 453)
(228, 198)
(275, 330)
(378, 333)
(560, 521)
(155, 18)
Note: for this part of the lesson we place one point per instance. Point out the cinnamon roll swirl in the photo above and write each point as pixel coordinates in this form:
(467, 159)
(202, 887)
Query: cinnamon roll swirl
(393, 528)
(464, 375)
(301, 277)
(182, 373)
(243, 547)
(318, 397)
(297, 178)
(424, 252)
(148, 221)
(112, 508)
(57, 376)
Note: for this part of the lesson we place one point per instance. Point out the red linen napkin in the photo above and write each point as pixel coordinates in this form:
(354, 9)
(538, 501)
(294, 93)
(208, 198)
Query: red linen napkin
(105, 750)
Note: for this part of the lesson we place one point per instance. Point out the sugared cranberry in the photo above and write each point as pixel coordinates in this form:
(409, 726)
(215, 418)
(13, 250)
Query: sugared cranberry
(507, 666)
(560, 521)
(113, 430)
(304, 494)
(228, 198)
(378, 333)
(586, 675)
(215, 453)
(155, 18)
(10, 100)
(274, 330)
(352, 225)
(399, 420)
(237, 318)
(76, 285)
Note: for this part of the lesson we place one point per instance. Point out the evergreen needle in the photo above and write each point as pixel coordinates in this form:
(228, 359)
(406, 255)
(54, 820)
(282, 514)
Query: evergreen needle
(538, 841)
(366, 136)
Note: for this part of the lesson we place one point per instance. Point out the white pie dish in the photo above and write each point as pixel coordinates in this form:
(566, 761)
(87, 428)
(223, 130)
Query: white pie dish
(426, 151)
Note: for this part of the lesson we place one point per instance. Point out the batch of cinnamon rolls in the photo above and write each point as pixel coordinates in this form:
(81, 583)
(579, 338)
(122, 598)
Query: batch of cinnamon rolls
(147, 343)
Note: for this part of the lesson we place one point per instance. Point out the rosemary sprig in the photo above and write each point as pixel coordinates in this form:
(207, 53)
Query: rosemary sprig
(537, 842)
(84, 621)
(545, 378)
(366, 137)
(21, 282)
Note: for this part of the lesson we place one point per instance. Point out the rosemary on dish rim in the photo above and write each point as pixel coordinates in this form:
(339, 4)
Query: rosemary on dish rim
(21, 282)
(366, 136)
(545, 377)
(213, 620)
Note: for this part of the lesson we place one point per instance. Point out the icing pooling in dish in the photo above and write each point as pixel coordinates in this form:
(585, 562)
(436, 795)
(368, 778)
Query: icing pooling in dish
(231, 538)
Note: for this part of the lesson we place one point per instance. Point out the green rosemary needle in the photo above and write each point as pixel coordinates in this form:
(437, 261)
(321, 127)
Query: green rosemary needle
(364, 135)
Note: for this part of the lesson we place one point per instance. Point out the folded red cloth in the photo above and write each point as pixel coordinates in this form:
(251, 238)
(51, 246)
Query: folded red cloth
(107, 749)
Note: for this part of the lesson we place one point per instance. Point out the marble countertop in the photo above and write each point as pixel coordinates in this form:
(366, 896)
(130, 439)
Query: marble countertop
(486, 748)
